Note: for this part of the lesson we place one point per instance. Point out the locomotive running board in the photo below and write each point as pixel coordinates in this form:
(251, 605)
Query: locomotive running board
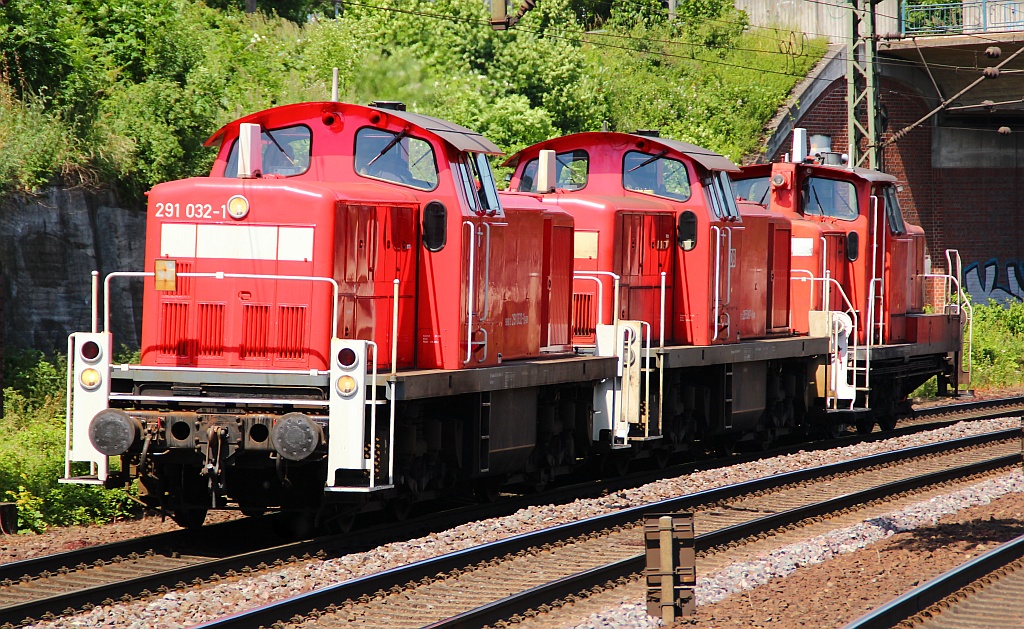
(743, 352)
(419, 384)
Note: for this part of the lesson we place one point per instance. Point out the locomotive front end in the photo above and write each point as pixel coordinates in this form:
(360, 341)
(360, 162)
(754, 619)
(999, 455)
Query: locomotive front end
(243, 377)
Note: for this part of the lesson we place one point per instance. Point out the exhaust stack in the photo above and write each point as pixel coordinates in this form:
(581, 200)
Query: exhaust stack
(799, 145)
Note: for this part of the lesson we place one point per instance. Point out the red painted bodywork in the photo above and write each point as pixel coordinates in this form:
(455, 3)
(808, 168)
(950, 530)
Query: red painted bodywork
(633, 234)
(366, 234)
(820, 244)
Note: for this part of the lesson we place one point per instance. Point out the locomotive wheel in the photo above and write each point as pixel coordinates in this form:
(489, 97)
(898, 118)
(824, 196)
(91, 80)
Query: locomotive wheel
(400, 507)
(188, 518)
(291, 525)
(487, 491)
(887, 422)
(865, 426)
(725, 447)
(617, 464)
(833, 430)
(339, 522)
(662, 456)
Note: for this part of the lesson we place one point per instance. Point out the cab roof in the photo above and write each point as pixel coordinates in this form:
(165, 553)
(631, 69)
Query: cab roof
(705, 157)
(458, 136)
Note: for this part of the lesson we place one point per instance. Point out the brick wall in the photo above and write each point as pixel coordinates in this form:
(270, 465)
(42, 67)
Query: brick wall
(974, 210)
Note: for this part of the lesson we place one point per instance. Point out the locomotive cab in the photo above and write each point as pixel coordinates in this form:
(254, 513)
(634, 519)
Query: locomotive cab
(659, 218)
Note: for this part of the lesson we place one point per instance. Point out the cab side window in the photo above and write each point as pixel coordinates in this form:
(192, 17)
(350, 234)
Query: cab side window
(720, 196)
(893, 213)
(478, 186)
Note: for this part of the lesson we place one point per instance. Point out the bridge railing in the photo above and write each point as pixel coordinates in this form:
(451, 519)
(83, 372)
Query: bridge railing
(952, 18)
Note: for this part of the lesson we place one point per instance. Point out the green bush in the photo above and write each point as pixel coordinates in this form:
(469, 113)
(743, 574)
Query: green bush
(997, 348)
(32, 453)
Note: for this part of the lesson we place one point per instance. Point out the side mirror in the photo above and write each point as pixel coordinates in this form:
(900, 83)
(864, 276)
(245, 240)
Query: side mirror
(686, 231)
(852, 246)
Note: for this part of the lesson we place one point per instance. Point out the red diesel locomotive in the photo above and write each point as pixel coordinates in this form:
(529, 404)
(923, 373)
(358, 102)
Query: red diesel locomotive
(342, 313)
(347, 315)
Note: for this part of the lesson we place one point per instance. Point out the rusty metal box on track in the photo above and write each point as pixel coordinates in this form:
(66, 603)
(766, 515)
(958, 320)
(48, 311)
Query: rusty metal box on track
(671, 571)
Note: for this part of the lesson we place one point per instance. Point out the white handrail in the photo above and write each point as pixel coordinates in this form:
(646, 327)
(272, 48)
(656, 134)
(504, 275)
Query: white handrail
(825, 296)
(373, 421)
(67, 406)
(810, 302)
(600, 294)
(661, 331)
(95, 302)
(487, 276)
(472, 291)
(728, 266)
(647, 373)
(853, 316)
(718, 279)
(615, 280)
(964, 304)
(221, 275)
(394, 331)
(951, 255)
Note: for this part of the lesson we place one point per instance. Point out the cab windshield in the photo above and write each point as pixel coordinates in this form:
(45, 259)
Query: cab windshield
(829, 197)
(571, 170)
(756, 189)
(286, 152)
(655, 174)
(396, 157)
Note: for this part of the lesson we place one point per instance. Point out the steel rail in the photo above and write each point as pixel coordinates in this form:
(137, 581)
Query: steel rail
(16, 570)
(523, 601)
(49, 565)
(35, 566)
(990, 408)
(931, 592)
(370, 584)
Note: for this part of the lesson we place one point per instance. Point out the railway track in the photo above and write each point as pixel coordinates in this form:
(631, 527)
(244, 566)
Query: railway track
(60, 584)
(485, 584)
(982, 593)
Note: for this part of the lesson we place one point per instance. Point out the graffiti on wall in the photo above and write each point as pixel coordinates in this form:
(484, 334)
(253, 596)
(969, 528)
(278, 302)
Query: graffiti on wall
(981, 280)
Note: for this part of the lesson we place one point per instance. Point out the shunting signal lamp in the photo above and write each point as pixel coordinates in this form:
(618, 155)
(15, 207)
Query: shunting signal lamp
(347, 358)
(347, 386)
(90, 379)
(238, 206)
(90, 351)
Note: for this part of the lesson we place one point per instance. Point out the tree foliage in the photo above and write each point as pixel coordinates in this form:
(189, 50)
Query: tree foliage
(126, 91)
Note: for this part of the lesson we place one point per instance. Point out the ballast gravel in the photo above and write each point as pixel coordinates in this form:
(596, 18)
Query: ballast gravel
(204, 603)
(783, 561)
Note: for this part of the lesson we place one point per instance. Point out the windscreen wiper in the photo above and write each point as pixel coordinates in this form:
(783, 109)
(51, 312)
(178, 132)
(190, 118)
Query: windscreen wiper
(390, 145)
(648, 161)
(279, 147)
